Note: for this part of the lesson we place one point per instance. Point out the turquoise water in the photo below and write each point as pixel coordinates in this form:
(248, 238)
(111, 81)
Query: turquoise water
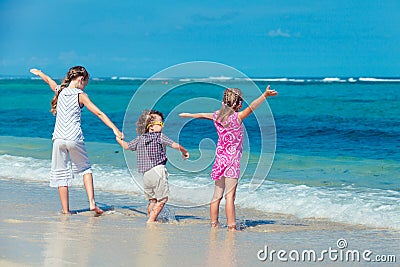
(337, 153)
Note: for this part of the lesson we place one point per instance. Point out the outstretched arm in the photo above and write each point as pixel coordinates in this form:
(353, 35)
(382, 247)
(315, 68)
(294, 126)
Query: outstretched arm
(84, 99)
(208, 116)
(45, 78)
(185, 153)
(256, 103)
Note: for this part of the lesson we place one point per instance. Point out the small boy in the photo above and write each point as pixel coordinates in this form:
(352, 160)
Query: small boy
(150, 145)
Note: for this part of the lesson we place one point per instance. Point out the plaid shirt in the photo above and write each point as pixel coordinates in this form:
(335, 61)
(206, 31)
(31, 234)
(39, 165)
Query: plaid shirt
(151, 150)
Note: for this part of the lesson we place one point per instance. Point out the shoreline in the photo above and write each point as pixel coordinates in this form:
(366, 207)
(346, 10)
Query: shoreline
(35, 234)
(344, 190)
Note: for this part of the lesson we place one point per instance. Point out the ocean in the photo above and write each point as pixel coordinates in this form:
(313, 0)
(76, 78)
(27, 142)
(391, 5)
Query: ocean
(323, 148)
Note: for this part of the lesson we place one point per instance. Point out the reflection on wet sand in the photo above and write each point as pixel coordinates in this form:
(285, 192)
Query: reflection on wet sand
(152, 246)
(221, 249)
(65, 245)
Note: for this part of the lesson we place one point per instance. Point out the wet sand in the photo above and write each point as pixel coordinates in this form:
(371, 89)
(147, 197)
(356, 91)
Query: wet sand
(34, 233)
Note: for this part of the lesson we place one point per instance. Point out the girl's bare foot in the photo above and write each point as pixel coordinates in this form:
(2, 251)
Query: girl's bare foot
(97, 210)
(232, 228)
(66, 212)
(214, 224)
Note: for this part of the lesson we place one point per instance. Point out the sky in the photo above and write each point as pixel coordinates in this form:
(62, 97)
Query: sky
(286, 38)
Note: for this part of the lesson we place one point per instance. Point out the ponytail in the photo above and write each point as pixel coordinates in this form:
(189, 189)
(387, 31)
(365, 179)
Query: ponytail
(231, 103)
(72, 74)
(54, 101)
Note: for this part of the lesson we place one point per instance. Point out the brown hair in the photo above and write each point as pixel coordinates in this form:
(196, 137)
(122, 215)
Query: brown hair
(232, 102)
(72, 74)
(146, 118)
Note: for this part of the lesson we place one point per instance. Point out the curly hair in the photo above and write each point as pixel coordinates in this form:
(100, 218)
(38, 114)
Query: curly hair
(146, 118)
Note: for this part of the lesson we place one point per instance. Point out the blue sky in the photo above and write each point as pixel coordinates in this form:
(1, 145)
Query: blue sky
(261, 38)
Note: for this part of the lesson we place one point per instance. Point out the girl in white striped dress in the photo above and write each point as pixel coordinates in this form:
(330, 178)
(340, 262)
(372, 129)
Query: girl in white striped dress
(68, 144)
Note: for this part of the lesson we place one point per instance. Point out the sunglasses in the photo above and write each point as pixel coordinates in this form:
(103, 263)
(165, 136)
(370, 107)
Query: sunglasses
(156, 123)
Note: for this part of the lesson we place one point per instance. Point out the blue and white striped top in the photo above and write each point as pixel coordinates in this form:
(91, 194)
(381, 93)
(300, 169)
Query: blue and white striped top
(68, 117)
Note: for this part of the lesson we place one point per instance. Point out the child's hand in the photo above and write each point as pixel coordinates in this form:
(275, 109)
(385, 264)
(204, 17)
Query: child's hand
(118, 134)
(184, 115)
(269, 92)
(121, 142)
(35, 71)
(185, 155)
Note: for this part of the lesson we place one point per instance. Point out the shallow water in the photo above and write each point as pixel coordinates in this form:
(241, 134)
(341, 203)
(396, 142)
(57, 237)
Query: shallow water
(337, 146)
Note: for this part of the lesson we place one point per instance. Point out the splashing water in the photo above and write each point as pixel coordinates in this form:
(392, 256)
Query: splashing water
(167, 215)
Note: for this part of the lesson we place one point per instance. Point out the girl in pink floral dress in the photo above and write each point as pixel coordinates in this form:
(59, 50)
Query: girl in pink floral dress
(226, 169)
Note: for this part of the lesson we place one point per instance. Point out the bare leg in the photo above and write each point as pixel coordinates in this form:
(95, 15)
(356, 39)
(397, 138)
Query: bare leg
(231, 185)
(214, 211)
(151, 206)
(88, 182)
(156, 210)
(216, 200)
(64, 198)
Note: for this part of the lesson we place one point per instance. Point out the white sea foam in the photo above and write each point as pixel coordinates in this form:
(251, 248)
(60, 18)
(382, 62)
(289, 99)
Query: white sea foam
(270, 79)
(129, 78)
(296, 80)
(364, 206)
(368, 79)
(227, 79)
(210, 79)
(24, 168)
(219, 78)
(370, 207)
(329, 80)
(107, 178)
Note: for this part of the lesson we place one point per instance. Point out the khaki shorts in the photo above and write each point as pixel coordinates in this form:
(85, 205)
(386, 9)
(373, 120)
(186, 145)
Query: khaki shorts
(155, 183)
(69, 159)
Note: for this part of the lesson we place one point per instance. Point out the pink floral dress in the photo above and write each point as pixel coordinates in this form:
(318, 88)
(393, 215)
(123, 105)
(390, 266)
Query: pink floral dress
(229, 147)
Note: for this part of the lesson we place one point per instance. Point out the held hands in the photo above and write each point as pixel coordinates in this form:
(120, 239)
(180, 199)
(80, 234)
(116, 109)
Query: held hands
(118, 134)
(269, 92)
